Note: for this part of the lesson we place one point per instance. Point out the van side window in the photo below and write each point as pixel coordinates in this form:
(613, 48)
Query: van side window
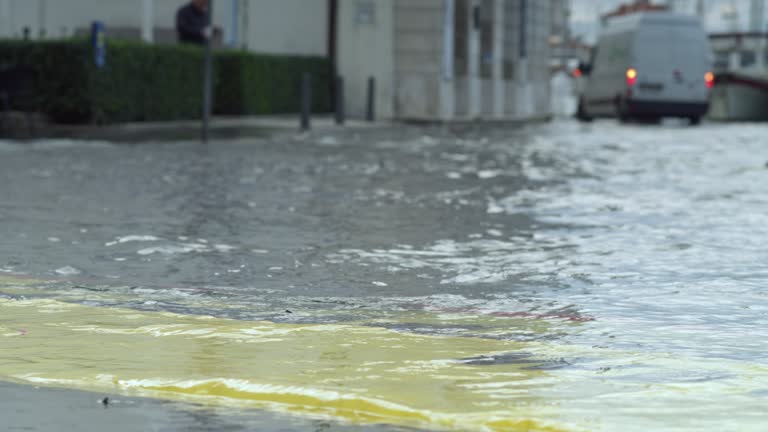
(598, 52)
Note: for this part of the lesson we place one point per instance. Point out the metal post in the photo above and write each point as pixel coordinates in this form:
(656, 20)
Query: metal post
(148, 21)
(448, 39)
(42, 18)
(332, 49)
(207, 77)
(234, 36)
(474, 83)
(340, 112)
(447, 85)
(246, 15)
(306, 102)
(370, 112)
(497, 72)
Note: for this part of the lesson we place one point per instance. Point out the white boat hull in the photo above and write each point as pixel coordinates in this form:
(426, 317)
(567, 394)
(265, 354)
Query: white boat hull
(739, 98)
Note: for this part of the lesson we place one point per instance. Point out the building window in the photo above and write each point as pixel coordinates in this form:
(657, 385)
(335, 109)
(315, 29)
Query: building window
(365, 13)
(722, 60)
(747, 59)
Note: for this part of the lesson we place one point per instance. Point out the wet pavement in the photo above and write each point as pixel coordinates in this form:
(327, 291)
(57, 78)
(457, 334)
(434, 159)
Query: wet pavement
(550, 277)
(28, 408)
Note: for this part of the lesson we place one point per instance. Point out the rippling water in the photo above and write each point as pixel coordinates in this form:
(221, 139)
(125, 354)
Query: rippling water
(558, 277)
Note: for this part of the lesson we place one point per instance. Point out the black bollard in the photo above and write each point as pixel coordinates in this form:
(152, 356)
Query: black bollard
(306, 102)
(340, 112)
(207, 81)
(370, 113)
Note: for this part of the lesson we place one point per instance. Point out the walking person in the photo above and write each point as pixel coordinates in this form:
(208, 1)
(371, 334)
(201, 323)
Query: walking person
(192, 23)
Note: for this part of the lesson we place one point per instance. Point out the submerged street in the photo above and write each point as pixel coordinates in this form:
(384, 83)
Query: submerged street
(553, 277)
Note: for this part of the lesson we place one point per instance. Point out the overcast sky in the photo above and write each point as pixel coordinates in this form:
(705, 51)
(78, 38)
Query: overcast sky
(585, 14)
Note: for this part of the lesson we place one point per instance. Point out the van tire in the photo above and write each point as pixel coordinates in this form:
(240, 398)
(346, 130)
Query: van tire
(621, 110)
(623, 117)
(695, 120)
(581, 113)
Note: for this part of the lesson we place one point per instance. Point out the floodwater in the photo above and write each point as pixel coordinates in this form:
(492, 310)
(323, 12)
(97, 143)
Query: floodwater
(555, 277)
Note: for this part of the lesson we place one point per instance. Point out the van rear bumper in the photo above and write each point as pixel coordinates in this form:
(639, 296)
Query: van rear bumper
(666, 109)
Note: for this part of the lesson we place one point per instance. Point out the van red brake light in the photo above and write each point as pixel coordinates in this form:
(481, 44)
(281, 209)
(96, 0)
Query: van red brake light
(709, 78)
(631, 77)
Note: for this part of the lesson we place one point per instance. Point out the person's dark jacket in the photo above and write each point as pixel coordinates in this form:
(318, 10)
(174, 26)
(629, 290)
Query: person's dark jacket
(190, 23)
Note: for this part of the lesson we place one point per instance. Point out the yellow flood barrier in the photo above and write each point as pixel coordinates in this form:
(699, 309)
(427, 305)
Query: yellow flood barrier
(355, 373)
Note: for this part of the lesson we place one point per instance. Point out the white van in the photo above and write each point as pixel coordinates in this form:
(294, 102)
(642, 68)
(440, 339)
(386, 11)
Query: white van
(649, 65)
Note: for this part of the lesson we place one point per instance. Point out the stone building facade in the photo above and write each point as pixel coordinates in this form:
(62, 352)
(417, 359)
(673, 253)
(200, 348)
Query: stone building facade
(448, 60)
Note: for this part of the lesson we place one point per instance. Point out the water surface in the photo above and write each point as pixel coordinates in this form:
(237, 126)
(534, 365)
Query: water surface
(554, 277)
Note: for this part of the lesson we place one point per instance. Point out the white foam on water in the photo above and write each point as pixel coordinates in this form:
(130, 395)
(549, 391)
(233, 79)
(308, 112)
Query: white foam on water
(68, 271)
(328, 141)
(475, 261)
(174, 249)
(489, 174)
(133, 238)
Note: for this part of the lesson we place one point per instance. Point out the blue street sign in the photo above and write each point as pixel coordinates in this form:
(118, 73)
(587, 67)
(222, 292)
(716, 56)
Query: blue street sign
(99, 43)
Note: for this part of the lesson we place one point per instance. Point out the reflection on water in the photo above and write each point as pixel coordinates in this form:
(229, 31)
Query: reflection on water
(555, 278)
(362, 374)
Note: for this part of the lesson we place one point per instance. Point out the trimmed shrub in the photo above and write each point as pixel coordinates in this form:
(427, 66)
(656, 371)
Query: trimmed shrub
(147, 83)
(269, 84)
(143, 82)
(139, 83)
(58, 77)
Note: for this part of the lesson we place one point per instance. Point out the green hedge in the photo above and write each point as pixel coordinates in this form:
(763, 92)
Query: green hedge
(147, 83)
(269, 84)
(144, 82)
(65, 96)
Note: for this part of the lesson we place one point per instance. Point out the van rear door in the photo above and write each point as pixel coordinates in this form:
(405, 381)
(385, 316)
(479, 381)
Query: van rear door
(672, 60)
